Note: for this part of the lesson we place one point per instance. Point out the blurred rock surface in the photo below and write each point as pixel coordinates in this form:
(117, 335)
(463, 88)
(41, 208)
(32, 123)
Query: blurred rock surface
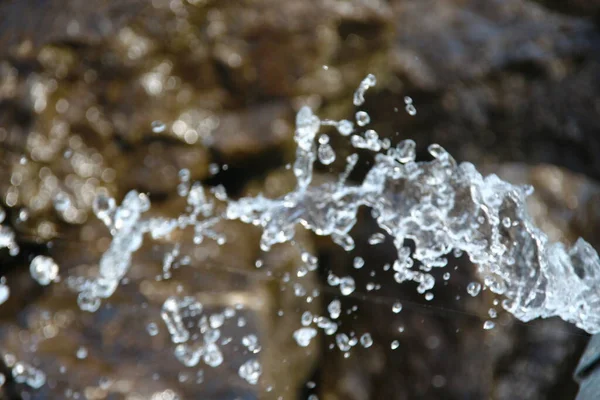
(107, 96)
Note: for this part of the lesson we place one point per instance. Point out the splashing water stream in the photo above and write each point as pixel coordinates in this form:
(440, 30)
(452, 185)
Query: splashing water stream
(440, 205)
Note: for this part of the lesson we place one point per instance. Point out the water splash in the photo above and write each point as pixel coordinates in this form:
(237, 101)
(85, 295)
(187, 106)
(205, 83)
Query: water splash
(128, 229)
(359, 94)
(441, 206)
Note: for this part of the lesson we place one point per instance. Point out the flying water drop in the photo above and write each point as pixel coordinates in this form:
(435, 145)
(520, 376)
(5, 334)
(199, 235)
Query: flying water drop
(474, 288)
(347, 285)
(359, 94)
(362, 118)
(487, 325)
(303, 336)
(376, 238)
(4, 293)
(358, 263)
(158, 126)
(326, 154)
(335, 309)
(43, 269)
(366, 341)
(345, 127)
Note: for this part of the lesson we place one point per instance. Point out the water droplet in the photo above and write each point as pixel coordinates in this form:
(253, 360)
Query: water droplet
(366, 341)
(345, 127)
(323, 139)
(347, 285)
(394, 345)
(405, 151)
(152, 329)
(88, 301)
(103, 206)
(25, 373)
(212, 335)
(23, 215)
(359, 94)
(187, 356)
(213, 168)
(487, 325)
(335, 309)
(158, 126)
(306, 318)
(184, 175)
(376, 238)
(474, 288)
(251, 343)
(362, 118)
(303, 336)
(220, 192)
(326, 154)
(43, 269)
(171, 316)
(61, 202)
(437, 151)
(4, 293)
(397, 307)
(216, 320)
(358, 263)
(212, 355)
(342, 341)
(82, 353)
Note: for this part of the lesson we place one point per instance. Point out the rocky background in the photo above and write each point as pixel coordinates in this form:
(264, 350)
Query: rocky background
(511, 85)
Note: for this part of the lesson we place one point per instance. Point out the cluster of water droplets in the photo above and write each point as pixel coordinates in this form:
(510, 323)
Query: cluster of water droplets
(128, 228)
(441, 206)
(23, 372)
(195, 333)
(200, 336)
(7, 240)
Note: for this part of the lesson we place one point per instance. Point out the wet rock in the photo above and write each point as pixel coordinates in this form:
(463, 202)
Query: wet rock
(33, 23)
(578, 7)
(505, 80)
(440, 44)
